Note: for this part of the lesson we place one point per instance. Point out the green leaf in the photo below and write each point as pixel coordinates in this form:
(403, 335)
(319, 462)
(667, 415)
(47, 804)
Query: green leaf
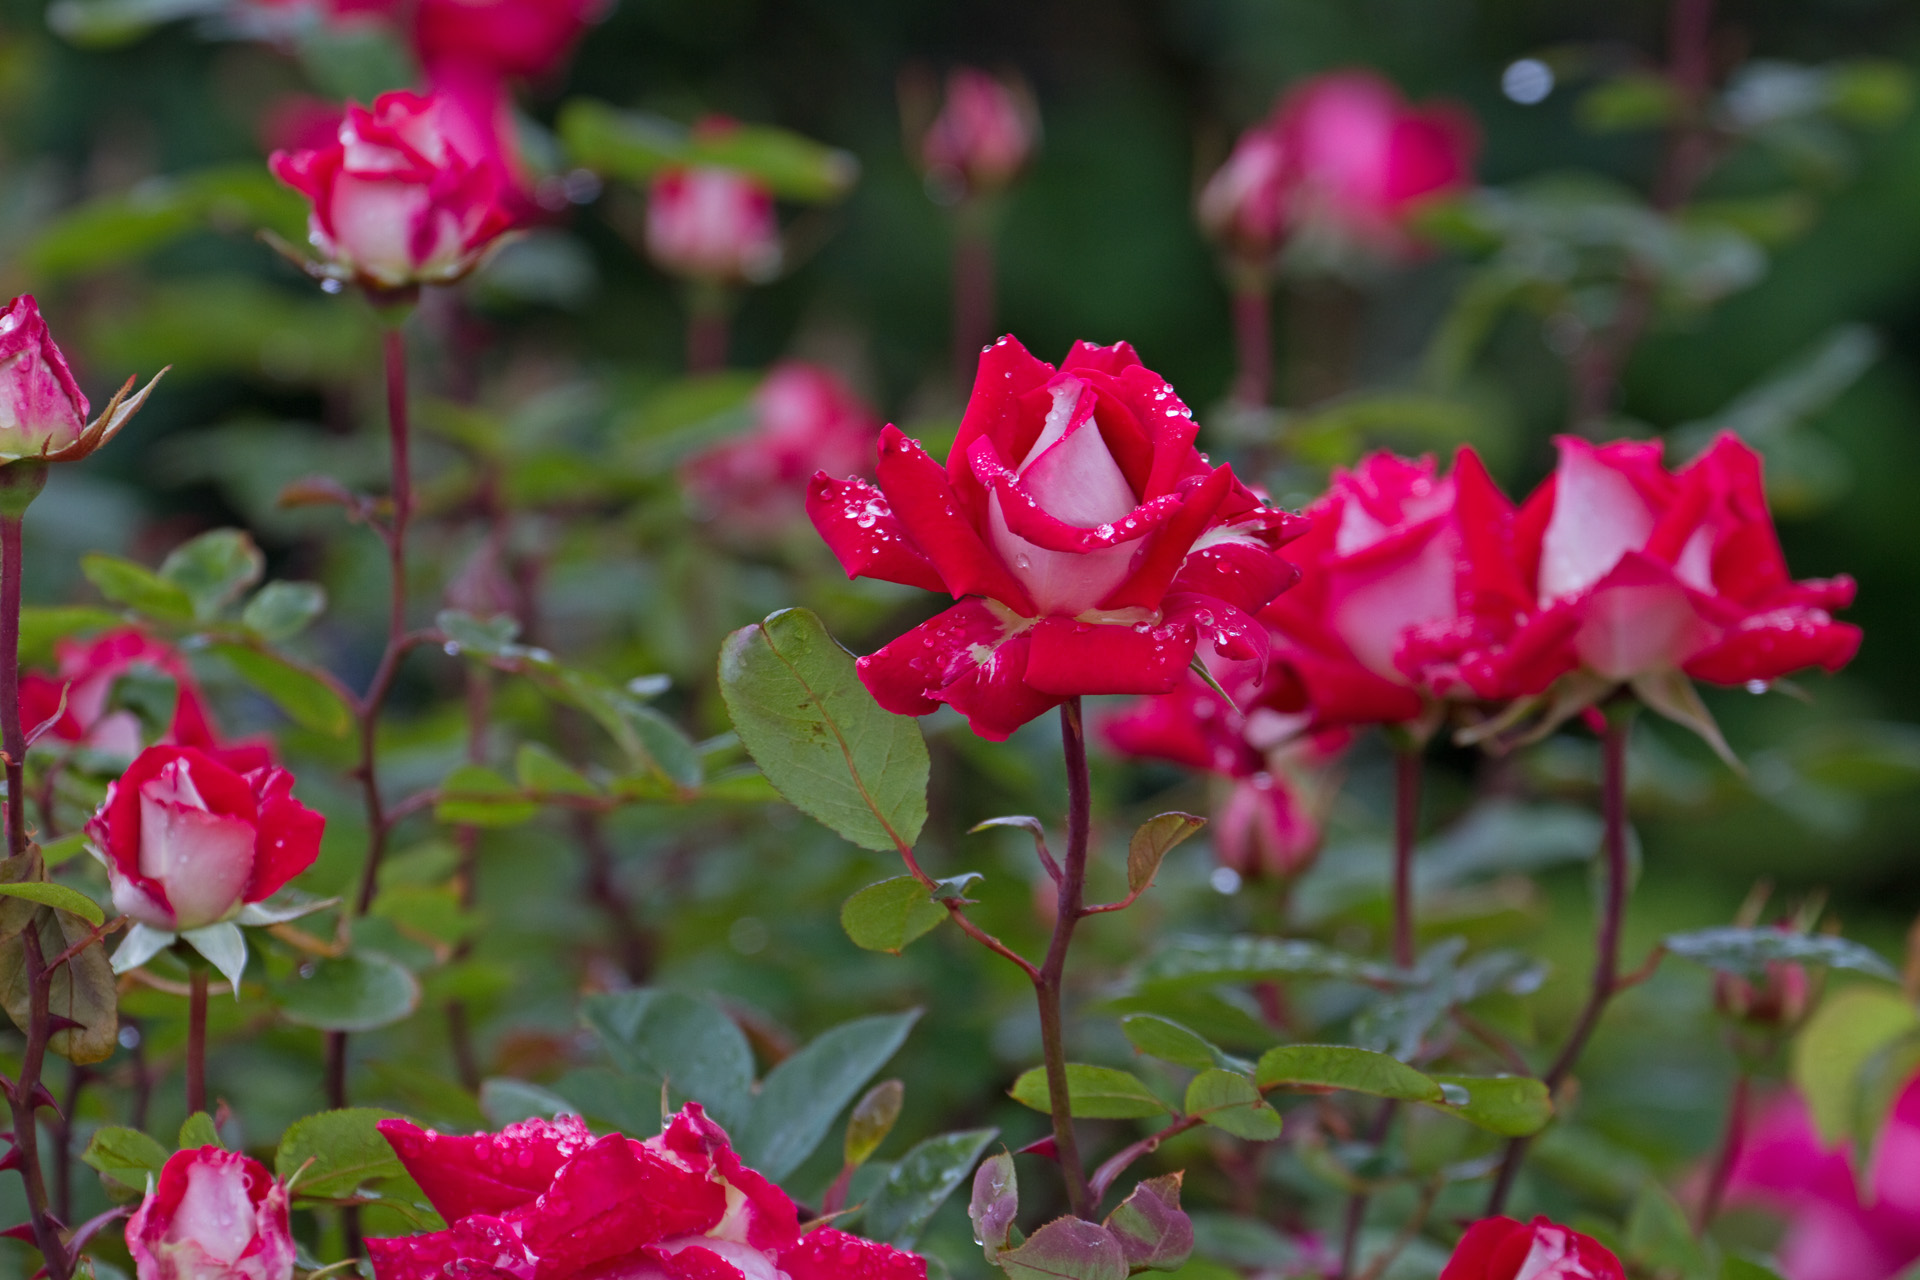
(889, 915)
(55, 852)
(1735, 1267)
(1659, 1237)
(475, 796)
(1748, 952)
(138, 588)
(540, 770)
(1167, 1040)
(1207, 961)
(508, 1102)
(1339, 1066)
(486, 638)
(81, 990)
(1067, 1249)
(353, 993)
(1852, 1027)
(688, 1043)
(637, 145)
(1150, 844)
(129, 225)
(282, 610)
(308, 700)
(1094, 1093)
(920, 1182)
(213, 569)
(1512, 1106)
(872, 1120)
(42, 627)
(1228, 1100)
(345, 1149)
(799, 1098)
(58, 896)
(126, 1158)
(198, 1130)
(819, 736)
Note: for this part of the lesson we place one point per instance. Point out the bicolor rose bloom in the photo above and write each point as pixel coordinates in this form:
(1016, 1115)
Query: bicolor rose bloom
(1841, 1225)
(1636, 571)
(396, 203)
(547, 1200)
(984, 133)
(1362, 160)
(713, 223)
(212, 1215)
(1400, 559)
(43, 413)
(1503, 1249)
(805, 420)
(188, 840)
(1091, 547)
(1246, 203)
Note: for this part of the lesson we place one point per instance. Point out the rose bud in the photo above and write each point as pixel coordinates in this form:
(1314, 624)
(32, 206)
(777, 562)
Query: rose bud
(713, 224)
(188, 840)
(1244, 205)
(1091, 547)
(396, 203)
(983, 135)
(1503, 1249)
(1266, 829)
(544, 1198)
(212, 1215)
(43, 414)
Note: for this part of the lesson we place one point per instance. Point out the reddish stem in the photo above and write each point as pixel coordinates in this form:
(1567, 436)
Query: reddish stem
(1047, 987)
(1731, 1143)
(197, 1040)
(973, 297)
(12, 739)
(706, 337)
(1406, 835)
(1253, 340)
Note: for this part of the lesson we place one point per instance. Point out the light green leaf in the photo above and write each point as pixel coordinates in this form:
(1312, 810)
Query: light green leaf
(339, 1151)
(198, 1130)
(308, 700)
(353, 993)
(818, 734)
(540, 770)
(282, 610)
(1512, 1106)
(1094, 1093)
(872, 1120)
(1227, 1100)
(920, 1182)
(889, 915)
(475, 796)
(57, 896)
(126, 1159)
(1151, 843)
(213, 569)
(799, 1098)
(1167, 1040)
(1340, 1066)
(1830, 1053)
(136, 587)
(224, 947)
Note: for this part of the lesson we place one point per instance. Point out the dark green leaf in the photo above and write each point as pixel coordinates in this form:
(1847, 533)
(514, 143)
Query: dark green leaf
(1228, 1100)
(1151, 843)
(889, 915)
(637, 145)
(1735, 1267)
(1512, 1106)
(511, 1101)
(136, 587)
(1067, 1249)
(1659, 1236)
(1167, 1040)
(58, 896)
(1339, 1066)
(353, 993)
(338, 1151)
(213, 569)
(281, 610)
(1094, 1093)
(689, 1043)
(126, 1158)
(128, 225)
(485, 638)
(540, 770)
(475, 796)
(308, 700)
(1748, 952)
(799, 1098)
(920, 1182)
(818, 734)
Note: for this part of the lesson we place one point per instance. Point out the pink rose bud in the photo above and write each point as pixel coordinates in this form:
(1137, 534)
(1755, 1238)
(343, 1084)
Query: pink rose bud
(43, 413)
(713, 224)
(188, 840)
(1091, 547)
(1246, 203)
(546, 1198)
(983, 135)
(1266, 829)
(396, 203)
(212, 1215)
(1503, 1249)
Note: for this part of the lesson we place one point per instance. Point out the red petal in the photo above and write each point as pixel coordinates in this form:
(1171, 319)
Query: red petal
(610, 1198)
(488, 1173)
(1166, 553)
(907, 675)
(923, 501)
(478, 1246)
(287, 839)
(1244, 574)
(1473, 1257)
(1341, 691)
(1070, 657)
(1007, 373)
(826, 1254)
(859, 526)
(1770, 645)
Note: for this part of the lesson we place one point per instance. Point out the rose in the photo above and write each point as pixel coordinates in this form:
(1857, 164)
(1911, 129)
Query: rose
(1400, 564)
(212, 1215)
(714, 224)
(1245, 205)
(548, 1199)
(505, 37)
(805, 419)
(43, 413)
(1639, 574)
(1503, 1249)
(983, 135)
(1361, 160)
(1090, 545)
(396, 203)
(188, 840)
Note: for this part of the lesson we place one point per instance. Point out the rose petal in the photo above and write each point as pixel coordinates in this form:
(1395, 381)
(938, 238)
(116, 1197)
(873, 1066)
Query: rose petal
(860, 528)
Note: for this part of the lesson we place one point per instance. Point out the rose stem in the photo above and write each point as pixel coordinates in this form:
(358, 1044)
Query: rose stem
(973, 293)
(11, 737)
(383, 677)
(197, 1040)
(1047, 985)
(1406, 836)
(1606, 968)
(706, 329)
(1253, 339)
(1731, 1141)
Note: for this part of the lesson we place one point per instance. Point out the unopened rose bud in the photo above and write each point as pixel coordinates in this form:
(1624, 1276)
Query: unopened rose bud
(212, 1215)
(1244, 204)
(713, 224)
(43, 414)
(1265, 829)
(983, 135)
(1776, 1001)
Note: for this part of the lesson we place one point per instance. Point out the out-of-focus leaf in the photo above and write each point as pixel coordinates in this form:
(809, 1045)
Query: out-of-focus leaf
(799, 1098)
(1228, 1100)
(1869, 91)
(1831, 1051)
(889, 915)
(476, 796)
(1635, 101)
(1659, 1237)
(689, 1043)
(1205, 961)
(819, 736)
(139, 588)
(106, 24)
(511, 1101)
(308, 700)
(353, 993)
(1167, 1040)
(1093, 1093)
(120, 228)
(338, 1150)
(1067, 1249)
(282, 610)
(221, 324)
(920, 1182)
(872, 1119)
(127, 1159)
(1339, 1066)
(1151, 843)
(41, 627)
(213, 569)
(1398, 1022)
(539, 770)
(1750, 951)
(638, 145)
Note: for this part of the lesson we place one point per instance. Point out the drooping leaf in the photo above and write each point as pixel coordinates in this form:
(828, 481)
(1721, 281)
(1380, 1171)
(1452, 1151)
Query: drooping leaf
(920, 1182)
(1093, 1093)
(1151, 843)
(82, 990)
(1067, 1249)
(476, 796)
(1748, 952)
(126, 1159)
(339, 1151)
(1228, 1100)
(799, 1098)
(872, 1120)
(1512, 1106)
(995, 1204)
(1339, 1066)
(357, 992)
(1152, 1230)
(693, 1046)
(889, 915)
(307, 699)
(137, 587)
(213, 569)
(819, 736)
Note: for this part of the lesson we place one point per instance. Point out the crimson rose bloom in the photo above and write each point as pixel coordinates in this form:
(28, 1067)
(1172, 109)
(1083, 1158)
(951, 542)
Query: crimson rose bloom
(212, 1215)
(1400, 559)
(1090, 545)
(188, 840)
(1503, 1249)
(1641, 572)
(395, 201)
(549, 1201)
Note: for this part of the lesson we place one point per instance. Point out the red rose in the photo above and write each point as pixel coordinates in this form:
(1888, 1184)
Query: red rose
(712, 223)
(188, 840)
(1090, 545)
(548, 1200)
(984, 133)
(396, 202)
(1398, 560)
(212, 1215)
(805, 420)
(1502, 1249)
(1638, 571)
